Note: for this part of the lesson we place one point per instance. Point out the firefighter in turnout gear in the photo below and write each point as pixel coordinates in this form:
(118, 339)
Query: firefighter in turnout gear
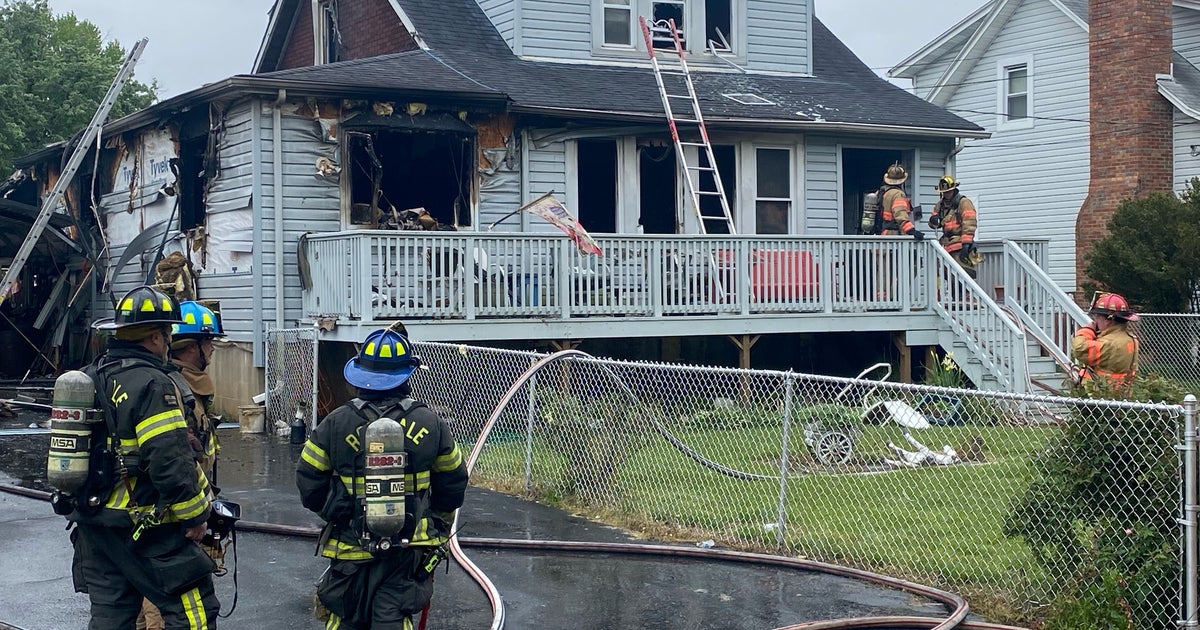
(384, 473)
(1104, 348)
(955, 216)
(191, 351)
(138, 537)
(897, 209)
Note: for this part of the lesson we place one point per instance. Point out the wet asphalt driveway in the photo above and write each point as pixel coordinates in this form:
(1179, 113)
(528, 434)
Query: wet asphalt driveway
(541, 590)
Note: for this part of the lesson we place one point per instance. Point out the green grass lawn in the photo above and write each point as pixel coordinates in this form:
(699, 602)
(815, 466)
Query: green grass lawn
(940, 525)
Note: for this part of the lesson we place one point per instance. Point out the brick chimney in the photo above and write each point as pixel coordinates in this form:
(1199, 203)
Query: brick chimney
(1129, 43)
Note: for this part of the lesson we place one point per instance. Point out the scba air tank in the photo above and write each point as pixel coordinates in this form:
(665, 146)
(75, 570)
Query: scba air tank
(71, 431)
(385, 490)
(870, 211)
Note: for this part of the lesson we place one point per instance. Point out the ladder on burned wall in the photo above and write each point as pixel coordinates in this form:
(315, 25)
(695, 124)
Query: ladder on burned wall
(70, 283)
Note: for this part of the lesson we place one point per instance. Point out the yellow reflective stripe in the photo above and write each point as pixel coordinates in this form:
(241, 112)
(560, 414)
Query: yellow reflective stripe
(158, 424)
(333, 623)
(315, 456)
(339, 550)
(193, 607)
(446, 463)
(119, 499)
(353, 483)
(129, 446)
(185, 510)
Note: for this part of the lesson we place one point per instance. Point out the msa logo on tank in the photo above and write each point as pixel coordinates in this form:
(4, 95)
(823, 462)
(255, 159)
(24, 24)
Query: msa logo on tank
(388, 518)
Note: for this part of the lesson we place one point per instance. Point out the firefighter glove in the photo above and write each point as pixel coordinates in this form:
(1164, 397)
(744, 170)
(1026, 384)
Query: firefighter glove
(1087, 332)
(917, 235)
(967, 250)
(935, 221)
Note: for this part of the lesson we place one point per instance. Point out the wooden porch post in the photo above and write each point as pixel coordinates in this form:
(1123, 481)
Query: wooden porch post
(744, 343)
(565, 344)
(905, 367)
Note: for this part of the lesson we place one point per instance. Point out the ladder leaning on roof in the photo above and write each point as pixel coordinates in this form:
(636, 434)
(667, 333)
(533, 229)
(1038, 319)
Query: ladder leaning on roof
(54, 198)
(690, 123)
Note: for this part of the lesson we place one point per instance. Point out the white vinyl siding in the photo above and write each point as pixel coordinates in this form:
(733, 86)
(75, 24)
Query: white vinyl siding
(1187, 149)
(1031, 182)
(822, 206)
(778, 35)
(547, 173)
(1186, 26)
(503, 15)
(557, 28)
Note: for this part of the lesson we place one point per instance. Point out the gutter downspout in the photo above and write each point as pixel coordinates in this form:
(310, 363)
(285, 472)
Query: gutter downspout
(958, 147)
(277, 211)
(256, 203)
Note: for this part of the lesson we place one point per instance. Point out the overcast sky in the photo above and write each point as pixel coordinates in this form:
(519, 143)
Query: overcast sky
(196, 42)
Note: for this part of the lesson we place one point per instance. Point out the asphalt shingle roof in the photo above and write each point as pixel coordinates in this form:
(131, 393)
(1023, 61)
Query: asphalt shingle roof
(467, 54)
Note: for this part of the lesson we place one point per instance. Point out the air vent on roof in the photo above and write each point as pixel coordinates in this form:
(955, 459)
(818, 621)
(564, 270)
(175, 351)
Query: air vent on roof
(748, 99)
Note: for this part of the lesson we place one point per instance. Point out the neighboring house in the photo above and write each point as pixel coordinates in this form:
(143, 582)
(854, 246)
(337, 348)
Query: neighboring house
(1022, 69)
(360, 110)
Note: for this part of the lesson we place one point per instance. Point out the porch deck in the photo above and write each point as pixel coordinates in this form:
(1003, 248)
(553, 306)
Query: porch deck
(540, 286)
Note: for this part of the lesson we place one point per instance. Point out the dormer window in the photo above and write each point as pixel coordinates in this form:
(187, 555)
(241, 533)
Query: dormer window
(327, 40)
(618, 23)
(664, 11)
(705, 26)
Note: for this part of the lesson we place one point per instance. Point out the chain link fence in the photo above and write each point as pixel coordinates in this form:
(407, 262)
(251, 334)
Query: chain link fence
(1024, 504)
(291, 373)
(1170, 345)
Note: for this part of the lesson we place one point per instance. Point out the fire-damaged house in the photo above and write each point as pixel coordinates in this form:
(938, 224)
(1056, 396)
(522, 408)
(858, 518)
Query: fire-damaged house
(369, 168)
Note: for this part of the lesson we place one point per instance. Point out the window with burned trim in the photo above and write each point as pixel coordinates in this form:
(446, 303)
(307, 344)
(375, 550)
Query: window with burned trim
(405, 173)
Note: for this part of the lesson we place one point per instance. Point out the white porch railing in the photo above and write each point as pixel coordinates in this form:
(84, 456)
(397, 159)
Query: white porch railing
(978, 322)
(384, 275)
(1041, 306)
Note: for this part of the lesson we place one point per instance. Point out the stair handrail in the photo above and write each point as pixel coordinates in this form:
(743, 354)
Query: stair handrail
(1022, 277)
(1004, 357)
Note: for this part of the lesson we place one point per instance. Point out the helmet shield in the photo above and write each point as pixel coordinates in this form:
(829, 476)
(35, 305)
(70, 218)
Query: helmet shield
(143, 305)
(385, 361)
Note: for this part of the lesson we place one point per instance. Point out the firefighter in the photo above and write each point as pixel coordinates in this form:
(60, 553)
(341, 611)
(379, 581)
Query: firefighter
(897, 209)
(955, 216)
(1104, 348)
(378, 578)
(191, 352)
(139, 537)
(896, 212)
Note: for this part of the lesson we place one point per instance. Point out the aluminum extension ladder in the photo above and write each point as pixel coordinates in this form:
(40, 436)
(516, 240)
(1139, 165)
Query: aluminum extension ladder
(689, 123)
(55, 197)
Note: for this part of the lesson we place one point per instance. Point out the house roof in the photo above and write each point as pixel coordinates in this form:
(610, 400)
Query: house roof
(466, 51)
(1182, 89)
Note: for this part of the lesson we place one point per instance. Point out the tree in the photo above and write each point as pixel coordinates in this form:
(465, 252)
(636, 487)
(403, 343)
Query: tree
(1152, 252)
(53, 72)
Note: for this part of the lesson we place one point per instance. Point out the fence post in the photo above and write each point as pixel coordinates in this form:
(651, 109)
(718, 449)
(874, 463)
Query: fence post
(316, 373)
(529, 419)
(1191, 619)
(781, 520)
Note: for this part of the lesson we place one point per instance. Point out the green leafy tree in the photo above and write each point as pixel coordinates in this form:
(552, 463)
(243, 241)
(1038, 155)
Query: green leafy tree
(1152, 252)
(53, 72)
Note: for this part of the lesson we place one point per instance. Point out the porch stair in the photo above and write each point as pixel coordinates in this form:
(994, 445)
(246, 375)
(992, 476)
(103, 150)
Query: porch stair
(1018, 343)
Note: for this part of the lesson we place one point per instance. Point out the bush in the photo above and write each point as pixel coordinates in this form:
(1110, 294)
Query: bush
(1152, 252)
(1101, 517)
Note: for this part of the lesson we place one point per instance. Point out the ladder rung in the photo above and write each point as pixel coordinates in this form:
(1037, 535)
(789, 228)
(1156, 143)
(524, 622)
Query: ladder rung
(701, 168)
(692, 144)
(707, 192)
(687, 96)
(716, 218)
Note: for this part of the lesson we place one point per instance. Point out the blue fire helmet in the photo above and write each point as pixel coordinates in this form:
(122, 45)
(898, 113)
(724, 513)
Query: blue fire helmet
(385, 361)
(199, 322)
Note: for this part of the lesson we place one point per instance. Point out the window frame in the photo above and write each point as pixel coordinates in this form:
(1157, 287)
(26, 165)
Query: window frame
(695, 29)
(1004, 68)
(752, 175)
